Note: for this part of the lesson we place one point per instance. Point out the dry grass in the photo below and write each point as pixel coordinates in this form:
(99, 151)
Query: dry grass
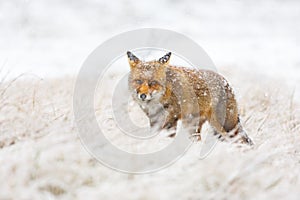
(42, 158)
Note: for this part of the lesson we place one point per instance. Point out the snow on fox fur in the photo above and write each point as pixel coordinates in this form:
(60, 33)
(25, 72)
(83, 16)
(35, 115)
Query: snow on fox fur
(196, 96)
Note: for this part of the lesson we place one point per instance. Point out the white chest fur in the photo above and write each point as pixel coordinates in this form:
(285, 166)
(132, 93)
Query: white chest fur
(156, 114)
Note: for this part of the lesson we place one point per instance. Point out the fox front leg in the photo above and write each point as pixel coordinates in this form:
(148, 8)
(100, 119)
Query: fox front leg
(192, 125)
(171, 125)
(156, 117)
(171, 121)
(172, 116)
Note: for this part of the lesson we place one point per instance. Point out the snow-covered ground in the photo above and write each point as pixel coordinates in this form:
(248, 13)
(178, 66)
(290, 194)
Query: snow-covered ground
(255, 44)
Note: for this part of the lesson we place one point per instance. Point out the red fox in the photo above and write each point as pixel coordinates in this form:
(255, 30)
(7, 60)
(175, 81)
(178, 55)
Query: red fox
(181, 92)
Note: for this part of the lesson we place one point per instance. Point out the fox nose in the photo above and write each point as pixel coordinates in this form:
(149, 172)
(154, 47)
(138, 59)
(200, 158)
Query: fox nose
(143, 96)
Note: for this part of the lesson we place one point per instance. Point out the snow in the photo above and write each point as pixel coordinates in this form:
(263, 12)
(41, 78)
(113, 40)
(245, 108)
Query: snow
(255, 44)
(54, 38)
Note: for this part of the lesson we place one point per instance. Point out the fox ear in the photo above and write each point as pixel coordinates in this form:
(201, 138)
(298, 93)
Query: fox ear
(132, 59)
(165, 59)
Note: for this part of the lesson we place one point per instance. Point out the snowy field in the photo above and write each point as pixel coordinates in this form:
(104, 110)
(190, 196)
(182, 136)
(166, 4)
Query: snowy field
(254, 44)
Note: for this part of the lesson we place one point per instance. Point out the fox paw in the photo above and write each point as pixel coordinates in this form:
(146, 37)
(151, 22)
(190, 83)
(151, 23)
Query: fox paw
(172, 135)
(247, 140)
(196, 137)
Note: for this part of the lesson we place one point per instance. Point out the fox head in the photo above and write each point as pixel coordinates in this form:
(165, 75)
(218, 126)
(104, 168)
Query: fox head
(147, 80)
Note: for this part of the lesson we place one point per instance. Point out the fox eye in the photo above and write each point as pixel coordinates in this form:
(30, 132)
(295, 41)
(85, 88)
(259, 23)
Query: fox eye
(153, 83)
(138, 81)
